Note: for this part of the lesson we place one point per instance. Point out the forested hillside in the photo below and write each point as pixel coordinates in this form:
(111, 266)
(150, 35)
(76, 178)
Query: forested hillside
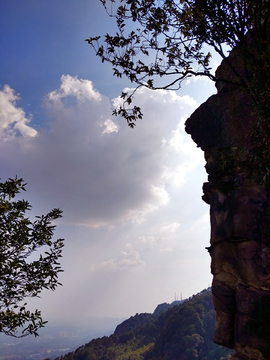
(181, 332)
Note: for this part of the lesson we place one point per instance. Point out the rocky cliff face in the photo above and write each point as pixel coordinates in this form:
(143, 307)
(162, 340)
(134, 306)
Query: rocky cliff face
(226, 129)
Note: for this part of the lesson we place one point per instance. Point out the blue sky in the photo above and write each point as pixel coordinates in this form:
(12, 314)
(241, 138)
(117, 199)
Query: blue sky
(133, 219)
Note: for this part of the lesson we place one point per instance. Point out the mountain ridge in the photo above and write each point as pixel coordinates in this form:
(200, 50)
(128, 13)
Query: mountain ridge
(181, 331)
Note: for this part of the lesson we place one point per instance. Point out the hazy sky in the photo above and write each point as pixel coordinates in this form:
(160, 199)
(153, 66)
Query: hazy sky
(133, 219)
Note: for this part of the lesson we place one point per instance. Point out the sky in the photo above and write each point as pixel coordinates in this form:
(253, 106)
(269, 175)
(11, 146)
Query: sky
(134, 223)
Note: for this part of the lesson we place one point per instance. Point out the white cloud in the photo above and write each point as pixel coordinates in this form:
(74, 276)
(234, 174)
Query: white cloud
(82, 89)
(100, 180)
(195, 79)
(127, 260)
(13, 118)
(110, 127)
(160, 193)
(149, 241)
(134, 254)
(130, 188)
(170, 228)
(166, 98)
(192, 155)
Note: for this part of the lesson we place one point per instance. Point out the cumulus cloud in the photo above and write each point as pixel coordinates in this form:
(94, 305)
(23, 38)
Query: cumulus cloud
(82, 89)
(98, 170)
(12, 118)
(109, 127)
(131, 189)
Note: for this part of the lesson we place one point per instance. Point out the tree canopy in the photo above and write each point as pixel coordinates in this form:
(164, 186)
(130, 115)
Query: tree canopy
(168, 41)
(21, 275)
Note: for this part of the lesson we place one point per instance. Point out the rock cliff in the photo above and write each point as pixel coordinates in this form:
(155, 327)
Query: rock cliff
(228, 128)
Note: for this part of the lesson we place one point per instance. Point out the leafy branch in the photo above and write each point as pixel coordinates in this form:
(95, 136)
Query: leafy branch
(169, 38)
(20, 276)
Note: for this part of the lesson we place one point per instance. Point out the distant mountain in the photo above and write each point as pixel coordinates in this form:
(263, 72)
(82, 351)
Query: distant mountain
(177, 331)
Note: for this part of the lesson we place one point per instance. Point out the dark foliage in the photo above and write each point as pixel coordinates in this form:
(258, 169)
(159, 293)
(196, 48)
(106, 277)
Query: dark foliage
(20, 275)
(133, 323)
(188, 331)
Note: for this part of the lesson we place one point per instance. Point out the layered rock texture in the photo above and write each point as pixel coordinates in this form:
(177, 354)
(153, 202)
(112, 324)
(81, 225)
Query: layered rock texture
(227, 127)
